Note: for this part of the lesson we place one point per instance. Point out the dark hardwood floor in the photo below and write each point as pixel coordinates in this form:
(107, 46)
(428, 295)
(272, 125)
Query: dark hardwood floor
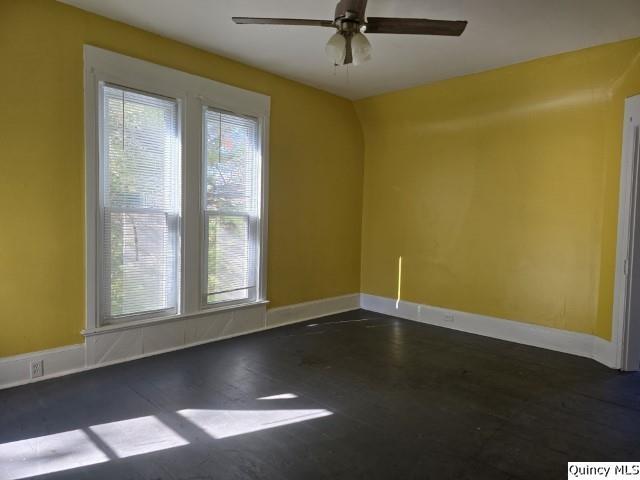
(354, 396)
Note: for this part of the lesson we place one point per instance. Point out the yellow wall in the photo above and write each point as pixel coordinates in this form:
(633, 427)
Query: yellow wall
(499, 190)
(315, 188)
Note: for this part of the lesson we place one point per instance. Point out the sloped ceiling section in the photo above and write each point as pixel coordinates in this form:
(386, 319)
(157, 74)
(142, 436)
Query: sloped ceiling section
(500, 32)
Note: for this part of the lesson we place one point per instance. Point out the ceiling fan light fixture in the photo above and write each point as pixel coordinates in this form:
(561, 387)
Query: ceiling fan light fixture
(349, 45)
(336, 48)
(361, 49)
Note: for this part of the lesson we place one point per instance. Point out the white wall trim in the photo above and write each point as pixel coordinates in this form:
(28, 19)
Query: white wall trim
(110, 347)
(575, 343)
(16, 370)
(113, 345)
(314, 309)
(623, 322)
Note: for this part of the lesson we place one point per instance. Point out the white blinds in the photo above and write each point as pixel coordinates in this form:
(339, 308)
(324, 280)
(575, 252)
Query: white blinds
(231, 206)
(141, 204)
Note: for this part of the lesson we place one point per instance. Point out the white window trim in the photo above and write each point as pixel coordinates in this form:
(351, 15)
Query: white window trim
(193, 92)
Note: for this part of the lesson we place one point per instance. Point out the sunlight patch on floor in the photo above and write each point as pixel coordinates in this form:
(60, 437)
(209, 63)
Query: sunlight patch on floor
(137, 436)
(228, 423)
(282, 396)
(48, 454)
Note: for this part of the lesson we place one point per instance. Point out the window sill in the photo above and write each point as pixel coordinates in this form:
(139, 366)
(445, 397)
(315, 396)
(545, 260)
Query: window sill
(174, 318)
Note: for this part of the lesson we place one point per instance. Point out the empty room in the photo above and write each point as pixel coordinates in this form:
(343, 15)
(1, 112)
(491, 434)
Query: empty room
(320, 239)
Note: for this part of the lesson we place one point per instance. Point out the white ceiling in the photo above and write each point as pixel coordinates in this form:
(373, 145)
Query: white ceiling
(500, 32)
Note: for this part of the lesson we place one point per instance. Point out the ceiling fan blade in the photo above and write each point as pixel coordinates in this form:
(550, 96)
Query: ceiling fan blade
(282, 21)
(356, 6)
(415, 26)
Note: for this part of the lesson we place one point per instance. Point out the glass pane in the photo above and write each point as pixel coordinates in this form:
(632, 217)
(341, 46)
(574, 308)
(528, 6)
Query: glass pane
(228, 259)
(141, 150)
(231, 204)
(142, 262)
(230, 162)
(141, 183)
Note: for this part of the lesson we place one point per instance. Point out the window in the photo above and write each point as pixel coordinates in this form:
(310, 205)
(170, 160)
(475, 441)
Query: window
(230, 206)
(175, 175)
(141, 204)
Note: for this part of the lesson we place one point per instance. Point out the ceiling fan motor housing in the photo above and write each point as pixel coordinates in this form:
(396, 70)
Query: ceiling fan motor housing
(351, 9)
(349, 16)
(347, 26)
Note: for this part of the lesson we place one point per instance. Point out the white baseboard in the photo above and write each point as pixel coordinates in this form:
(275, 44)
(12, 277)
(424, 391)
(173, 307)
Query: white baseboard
(111, 346)
(575, 343)
(314, 309)
(606, 352)
(16, 370)
(102, 348)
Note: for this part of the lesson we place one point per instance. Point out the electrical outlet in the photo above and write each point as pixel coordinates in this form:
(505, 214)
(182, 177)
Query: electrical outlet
(37, 368)
(448, 318)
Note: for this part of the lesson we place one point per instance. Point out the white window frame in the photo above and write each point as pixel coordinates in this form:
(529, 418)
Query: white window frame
(101, 302)
(193, 94)
(254, 227)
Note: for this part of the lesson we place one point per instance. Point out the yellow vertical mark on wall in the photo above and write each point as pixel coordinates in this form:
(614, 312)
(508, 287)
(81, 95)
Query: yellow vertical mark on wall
(399, 281)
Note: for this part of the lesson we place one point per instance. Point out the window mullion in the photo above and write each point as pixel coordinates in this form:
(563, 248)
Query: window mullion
(193, 224)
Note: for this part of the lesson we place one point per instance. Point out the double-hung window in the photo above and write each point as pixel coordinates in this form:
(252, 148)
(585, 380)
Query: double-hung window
(175, 192)
(140, 204)
(230, 206)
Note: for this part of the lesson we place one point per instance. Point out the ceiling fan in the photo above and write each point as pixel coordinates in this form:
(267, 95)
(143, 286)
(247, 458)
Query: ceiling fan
(349, 45)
